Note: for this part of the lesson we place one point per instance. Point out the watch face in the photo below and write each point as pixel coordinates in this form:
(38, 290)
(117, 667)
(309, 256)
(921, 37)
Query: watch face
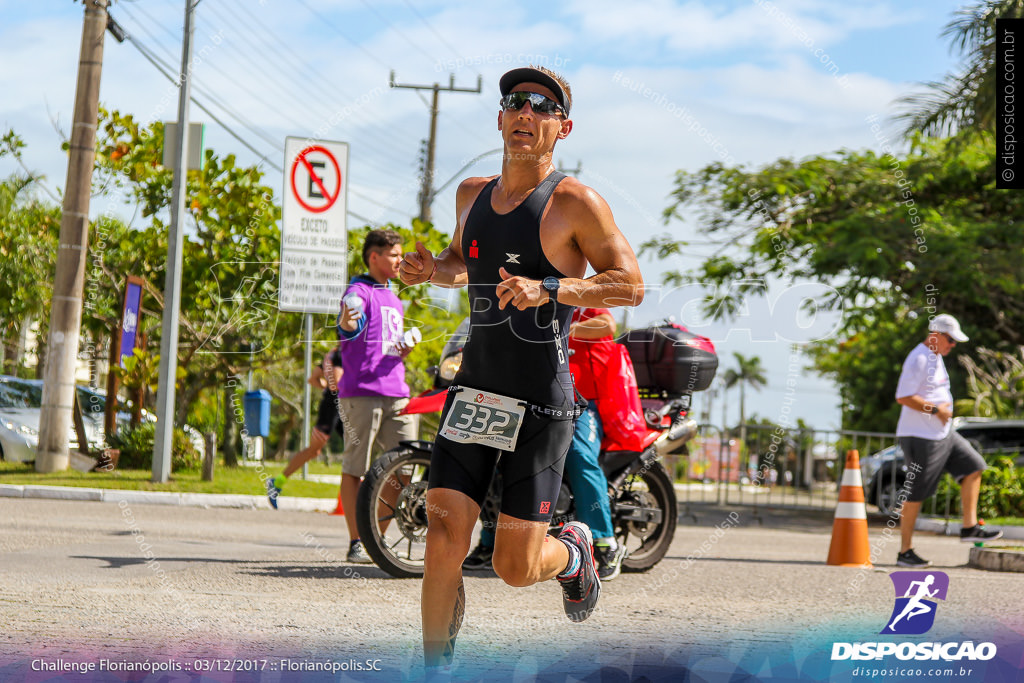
(550, 283)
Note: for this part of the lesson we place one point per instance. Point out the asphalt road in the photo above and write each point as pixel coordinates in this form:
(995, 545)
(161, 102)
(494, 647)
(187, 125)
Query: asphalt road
(230, 590)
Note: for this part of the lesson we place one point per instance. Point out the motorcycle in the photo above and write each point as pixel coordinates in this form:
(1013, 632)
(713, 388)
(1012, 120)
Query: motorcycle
(392, 508)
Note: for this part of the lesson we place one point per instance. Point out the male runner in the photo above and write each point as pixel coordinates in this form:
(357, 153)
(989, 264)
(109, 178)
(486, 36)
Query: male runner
(522, 243)
(590, 327)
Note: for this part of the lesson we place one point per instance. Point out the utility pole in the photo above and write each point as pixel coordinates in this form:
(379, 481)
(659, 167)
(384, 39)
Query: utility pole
(574, 172)
(426, 191)
(69, 279)
(172, 283)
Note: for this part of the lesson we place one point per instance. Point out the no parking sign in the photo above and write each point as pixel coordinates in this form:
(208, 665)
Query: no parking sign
(314, 233)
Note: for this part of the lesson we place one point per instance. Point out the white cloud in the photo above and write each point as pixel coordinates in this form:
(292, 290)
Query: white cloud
(695, 28)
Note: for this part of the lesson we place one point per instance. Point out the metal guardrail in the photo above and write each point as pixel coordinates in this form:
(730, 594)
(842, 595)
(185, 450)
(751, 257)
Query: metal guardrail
(776, 467)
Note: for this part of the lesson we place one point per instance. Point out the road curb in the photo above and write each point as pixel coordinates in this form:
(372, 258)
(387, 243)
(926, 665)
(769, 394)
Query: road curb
(61, 492)
(939, 526)
(200, 500)
(12, 491)
(997, 560)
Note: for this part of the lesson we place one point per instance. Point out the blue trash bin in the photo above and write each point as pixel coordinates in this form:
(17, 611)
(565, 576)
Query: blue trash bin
(257, 412)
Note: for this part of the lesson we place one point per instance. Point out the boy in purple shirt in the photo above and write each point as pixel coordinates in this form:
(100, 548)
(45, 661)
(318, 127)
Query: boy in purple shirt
(372, 391)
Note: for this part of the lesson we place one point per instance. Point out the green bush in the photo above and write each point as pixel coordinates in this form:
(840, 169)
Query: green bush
(136, 446)
(1002, 489)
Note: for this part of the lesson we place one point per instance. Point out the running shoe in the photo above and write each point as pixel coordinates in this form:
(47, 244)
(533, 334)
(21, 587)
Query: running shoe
(581, 590)
(480, 558)
(273, 491)
(978, 533)
(357, 554)
(609, 562)
(910, 559)
(437, 674)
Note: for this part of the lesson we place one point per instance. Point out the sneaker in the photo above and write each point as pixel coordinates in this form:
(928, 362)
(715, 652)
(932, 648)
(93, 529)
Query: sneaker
(910, 559)
(978, 533)
(479, 558)
(609, 562)
(357, 554)
(437, 674)
(581, 590)
(273, 491)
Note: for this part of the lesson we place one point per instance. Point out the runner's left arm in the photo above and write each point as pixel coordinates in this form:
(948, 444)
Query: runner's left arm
(617, 280)
(592, 230)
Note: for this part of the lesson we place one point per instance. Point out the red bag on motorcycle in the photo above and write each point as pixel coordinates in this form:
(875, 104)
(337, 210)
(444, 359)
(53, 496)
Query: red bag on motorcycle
(604, 372)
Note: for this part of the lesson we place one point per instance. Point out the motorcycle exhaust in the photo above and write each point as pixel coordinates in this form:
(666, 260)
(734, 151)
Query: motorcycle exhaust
(678, 434)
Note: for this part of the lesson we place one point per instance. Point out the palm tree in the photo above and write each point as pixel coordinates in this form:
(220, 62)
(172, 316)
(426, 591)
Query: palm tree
(963, 101)
(748, 371)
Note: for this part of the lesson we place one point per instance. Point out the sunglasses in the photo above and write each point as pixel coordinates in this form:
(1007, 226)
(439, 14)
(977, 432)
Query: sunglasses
(514, 101)
(949, 338)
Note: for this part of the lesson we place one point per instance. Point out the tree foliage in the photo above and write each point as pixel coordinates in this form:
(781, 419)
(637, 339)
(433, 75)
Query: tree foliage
(748, 372)
(230, 323)
(965, 100)
(995, 384)
(29, 228)
(895, 239)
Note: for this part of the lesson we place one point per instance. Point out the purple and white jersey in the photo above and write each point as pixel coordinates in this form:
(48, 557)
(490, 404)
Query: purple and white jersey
(371, 357)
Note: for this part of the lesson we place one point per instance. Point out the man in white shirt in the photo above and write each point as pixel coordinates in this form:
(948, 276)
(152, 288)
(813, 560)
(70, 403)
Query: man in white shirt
(929, 443)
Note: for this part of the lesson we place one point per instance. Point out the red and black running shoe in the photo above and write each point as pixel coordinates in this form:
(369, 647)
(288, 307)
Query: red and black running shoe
(581, 590)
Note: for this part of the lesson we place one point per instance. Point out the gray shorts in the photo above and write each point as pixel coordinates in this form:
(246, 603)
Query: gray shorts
(927, 460)
(368, 420)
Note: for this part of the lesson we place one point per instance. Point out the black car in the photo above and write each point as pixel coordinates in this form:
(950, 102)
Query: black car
(885, 472)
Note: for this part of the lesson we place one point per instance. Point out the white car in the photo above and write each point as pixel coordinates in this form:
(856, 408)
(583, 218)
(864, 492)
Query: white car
(20, 409)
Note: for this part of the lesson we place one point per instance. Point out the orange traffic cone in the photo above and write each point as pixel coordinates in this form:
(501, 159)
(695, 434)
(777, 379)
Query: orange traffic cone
(339, 510)
(850, 546)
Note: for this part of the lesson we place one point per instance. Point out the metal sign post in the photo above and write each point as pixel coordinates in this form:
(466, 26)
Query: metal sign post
(314, 239)
(172, 284)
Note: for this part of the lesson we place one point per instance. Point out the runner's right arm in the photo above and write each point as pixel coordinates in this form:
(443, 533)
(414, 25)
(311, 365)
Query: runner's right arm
(448, 268)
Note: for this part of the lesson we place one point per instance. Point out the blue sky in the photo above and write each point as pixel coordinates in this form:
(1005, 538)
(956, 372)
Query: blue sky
(740, 79)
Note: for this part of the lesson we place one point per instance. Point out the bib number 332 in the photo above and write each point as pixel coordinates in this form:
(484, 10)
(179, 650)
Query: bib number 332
(484, 418)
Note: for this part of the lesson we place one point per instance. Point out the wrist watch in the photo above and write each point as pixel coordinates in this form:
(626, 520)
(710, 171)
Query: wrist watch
(551, 284)
(933, 409)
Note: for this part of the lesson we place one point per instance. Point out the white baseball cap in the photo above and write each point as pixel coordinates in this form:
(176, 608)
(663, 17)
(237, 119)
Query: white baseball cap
(947, 324)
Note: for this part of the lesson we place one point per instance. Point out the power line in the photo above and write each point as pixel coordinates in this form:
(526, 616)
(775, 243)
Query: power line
(394, 28)
(303, 67)
(341, 33)
(250, 31)
(209, 95)
(167, 63)
(426, 23)
(290, 83)
(286, 81)
(152, 60)
(428, 55)
(370, 199)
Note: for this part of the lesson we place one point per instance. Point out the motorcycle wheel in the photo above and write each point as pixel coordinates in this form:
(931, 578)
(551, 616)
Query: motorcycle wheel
(647, 542)
(391, 512)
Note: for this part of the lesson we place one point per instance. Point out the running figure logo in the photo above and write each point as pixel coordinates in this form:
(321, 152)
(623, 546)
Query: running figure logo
(914, 613)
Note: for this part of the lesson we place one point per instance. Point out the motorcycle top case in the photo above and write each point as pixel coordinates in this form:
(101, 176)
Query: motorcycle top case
(671, 358)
